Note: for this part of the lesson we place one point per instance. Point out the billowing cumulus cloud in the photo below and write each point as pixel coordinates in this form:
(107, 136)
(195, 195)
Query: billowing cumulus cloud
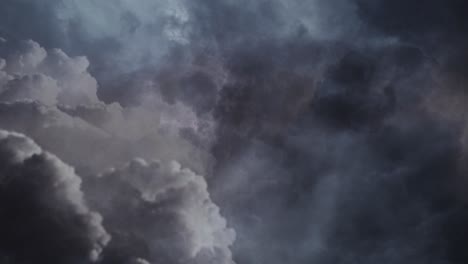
(44, 214)
(162, 212)
(31, 72)
(52, 97)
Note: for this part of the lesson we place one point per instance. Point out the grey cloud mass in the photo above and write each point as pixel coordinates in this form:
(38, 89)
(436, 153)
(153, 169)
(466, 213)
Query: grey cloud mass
(52, 98)
(44, 214)
(162, 212)
(235, 131)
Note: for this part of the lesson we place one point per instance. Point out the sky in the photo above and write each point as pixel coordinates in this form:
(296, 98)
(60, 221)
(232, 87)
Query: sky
(233, 131)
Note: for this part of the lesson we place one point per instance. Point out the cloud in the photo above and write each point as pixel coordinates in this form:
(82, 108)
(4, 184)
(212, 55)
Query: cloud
(162, 212)
(328, 130)
(39, 87)
(139, 261)
(73, 139)
(52, 98)
(51, 77)
(44, 215)
(97, 137)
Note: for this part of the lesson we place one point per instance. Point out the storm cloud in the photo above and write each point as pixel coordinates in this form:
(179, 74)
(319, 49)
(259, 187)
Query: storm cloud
(44, 215)
(328, 131)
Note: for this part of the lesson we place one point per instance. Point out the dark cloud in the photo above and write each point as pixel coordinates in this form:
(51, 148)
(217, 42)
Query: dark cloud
(330, 131)
(436, 26)
(44, 216)
(303, 175)
(327, 195)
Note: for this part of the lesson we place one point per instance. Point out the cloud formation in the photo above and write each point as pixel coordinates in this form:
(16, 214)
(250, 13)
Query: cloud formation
(69, 119)
(51, 77)
(45, 95)
(161, 212)
(44, 214)
(329, 131)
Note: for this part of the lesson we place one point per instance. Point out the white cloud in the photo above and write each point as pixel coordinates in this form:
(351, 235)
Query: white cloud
(31, 72)
(184, 220)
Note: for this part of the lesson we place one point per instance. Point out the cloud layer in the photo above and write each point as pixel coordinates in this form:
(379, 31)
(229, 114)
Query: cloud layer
(328, 131)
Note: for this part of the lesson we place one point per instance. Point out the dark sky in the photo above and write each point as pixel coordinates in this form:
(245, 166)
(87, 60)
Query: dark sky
(285, 131)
